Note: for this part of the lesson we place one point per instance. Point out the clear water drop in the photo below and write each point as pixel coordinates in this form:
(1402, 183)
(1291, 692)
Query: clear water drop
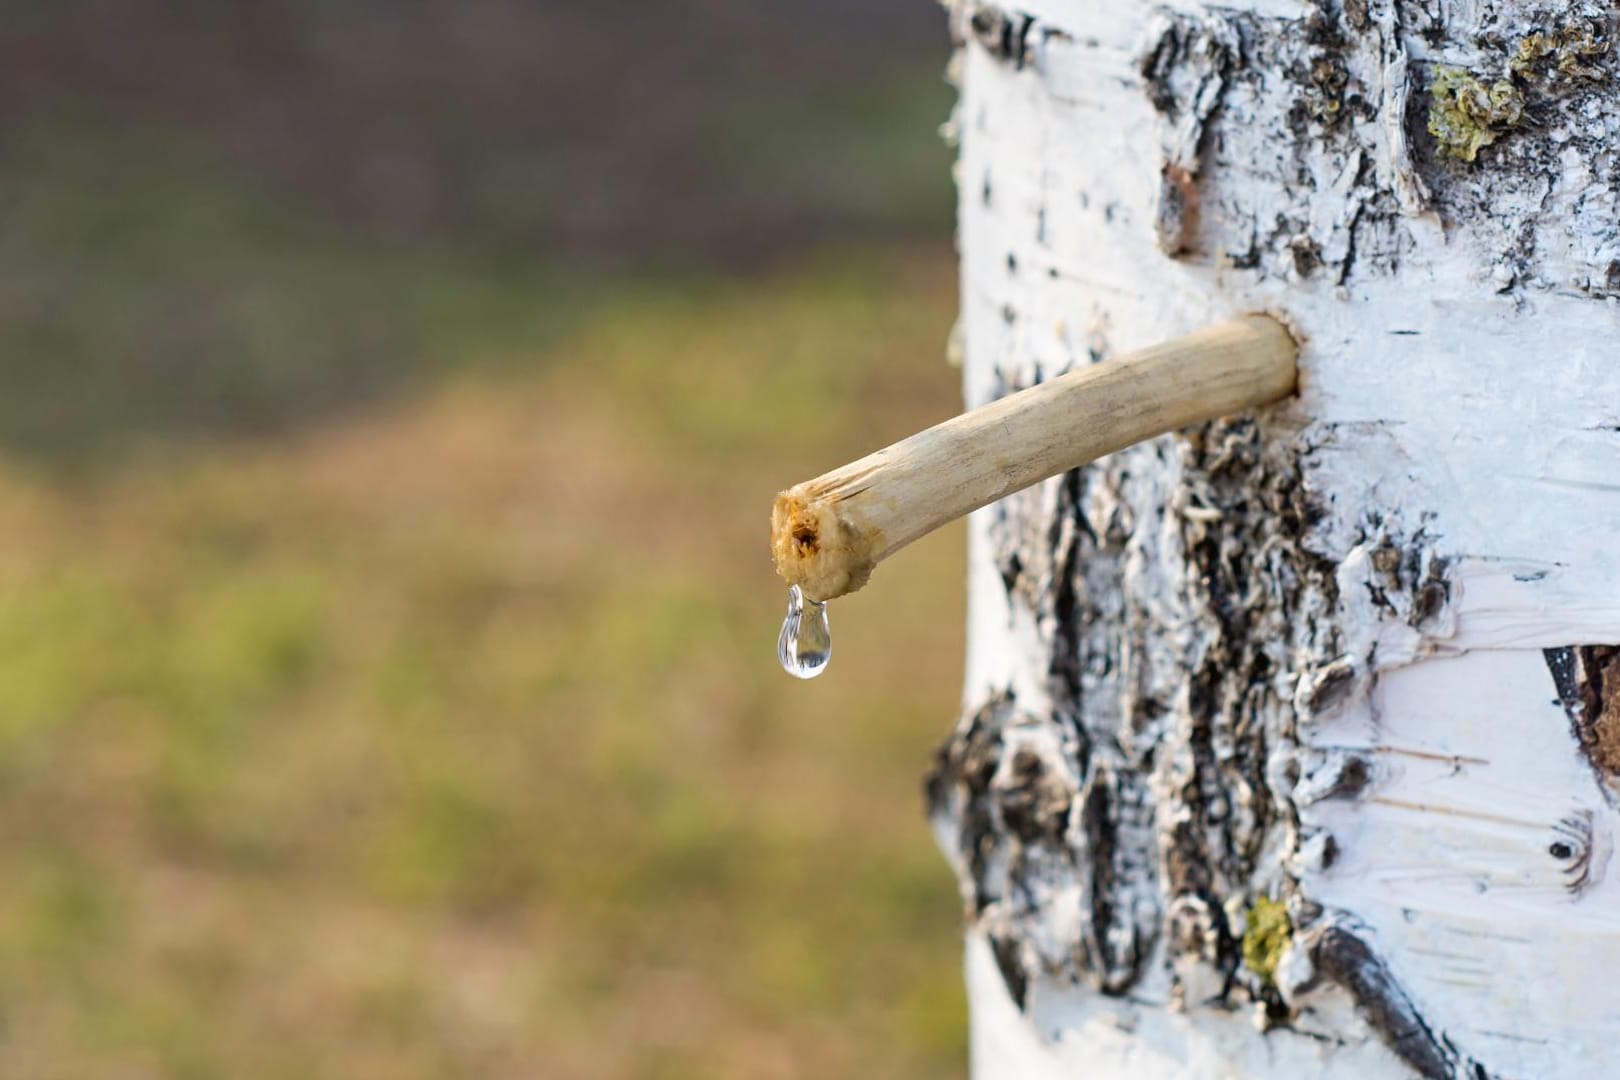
(806, 643)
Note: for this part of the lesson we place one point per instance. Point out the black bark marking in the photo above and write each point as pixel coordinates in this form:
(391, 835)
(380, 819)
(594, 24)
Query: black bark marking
(1185, 66)
(1011, 965)
(1410, 581)
(1573, 847)
(1003, 34)
(1344, 958)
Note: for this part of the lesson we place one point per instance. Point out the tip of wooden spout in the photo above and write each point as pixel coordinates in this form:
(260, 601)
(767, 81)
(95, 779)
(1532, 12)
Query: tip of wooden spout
(815, 550)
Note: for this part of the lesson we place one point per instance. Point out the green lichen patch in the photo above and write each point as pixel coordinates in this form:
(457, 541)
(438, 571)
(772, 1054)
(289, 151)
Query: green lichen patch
(1466, 114)
(1266, 935)
(1569, 52)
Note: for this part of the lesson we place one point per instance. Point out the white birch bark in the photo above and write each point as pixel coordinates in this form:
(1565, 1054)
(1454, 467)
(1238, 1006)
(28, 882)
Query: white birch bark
(1349, 655)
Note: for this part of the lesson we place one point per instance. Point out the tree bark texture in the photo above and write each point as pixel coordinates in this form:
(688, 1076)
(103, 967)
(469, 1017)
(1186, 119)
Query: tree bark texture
(1291, 744)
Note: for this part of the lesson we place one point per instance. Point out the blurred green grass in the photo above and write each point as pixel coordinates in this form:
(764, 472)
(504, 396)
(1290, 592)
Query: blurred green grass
(151, 293)
(387, 679)
(425, 721)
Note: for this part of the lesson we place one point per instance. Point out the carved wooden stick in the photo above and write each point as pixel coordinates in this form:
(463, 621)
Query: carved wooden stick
(828, 533)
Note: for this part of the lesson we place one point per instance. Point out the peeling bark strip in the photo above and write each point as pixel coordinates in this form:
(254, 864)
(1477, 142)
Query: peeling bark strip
(1588, 681)
(1259, 729)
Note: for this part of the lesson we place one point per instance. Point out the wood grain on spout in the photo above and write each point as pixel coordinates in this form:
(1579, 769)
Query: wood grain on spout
(828, 534)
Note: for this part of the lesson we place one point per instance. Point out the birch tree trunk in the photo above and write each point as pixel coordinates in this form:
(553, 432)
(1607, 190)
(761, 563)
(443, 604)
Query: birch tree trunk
(1291, 744)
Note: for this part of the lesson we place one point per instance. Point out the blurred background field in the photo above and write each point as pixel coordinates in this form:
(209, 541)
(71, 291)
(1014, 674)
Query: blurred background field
(391, 398)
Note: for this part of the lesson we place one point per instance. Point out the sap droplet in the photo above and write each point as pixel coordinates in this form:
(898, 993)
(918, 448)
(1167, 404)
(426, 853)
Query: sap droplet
(806, 642)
